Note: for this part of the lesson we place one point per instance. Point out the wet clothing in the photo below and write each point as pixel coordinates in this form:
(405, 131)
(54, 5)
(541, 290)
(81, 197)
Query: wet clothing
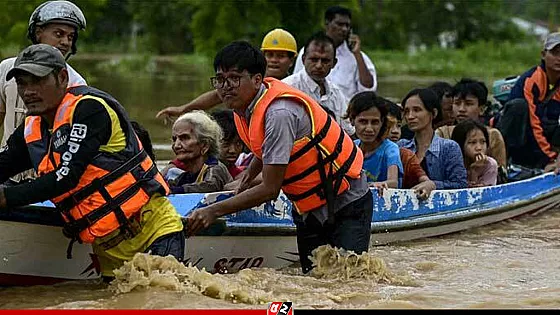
(351, 231)
(377, 163)
(212, 177)
(534, 103)
(161, 234)
(285, 121)
(443, 162)
(102, 136)
(285, 113)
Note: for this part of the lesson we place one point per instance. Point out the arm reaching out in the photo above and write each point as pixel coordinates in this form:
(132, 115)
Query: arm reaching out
(204, 101)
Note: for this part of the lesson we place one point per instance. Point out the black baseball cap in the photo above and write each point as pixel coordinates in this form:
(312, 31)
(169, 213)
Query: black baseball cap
(39, 60)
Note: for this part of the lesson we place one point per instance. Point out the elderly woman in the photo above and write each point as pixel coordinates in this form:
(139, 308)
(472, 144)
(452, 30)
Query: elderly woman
(196, 143)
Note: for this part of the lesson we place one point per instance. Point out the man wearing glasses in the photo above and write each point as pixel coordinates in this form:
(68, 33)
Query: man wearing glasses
(299, 149)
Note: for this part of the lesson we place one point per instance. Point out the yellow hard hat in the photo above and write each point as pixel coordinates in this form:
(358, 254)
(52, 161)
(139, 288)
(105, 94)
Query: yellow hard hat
(279, 39)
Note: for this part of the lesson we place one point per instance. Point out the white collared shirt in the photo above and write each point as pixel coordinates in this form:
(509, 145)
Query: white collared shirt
(333, 99)
(345, 74)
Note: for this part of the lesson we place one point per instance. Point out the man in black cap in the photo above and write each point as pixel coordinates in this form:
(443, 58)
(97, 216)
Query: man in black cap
(90, 164)
(56, 23)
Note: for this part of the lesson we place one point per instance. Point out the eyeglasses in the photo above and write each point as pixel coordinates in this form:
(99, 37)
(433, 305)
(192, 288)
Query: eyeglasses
(219, 82)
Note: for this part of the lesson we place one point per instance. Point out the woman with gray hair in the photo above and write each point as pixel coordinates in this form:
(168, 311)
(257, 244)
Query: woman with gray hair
(196, 144)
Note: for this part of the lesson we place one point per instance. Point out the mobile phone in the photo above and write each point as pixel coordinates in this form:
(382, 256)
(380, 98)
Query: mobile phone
(350, 43)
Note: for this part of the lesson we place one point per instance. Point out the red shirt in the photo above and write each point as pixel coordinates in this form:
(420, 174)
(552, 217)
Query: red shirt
(411, 167)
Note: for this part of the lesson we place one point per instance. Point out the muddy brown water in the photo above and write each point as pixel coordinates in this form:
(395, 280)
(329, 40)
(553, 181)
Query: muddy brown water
(512, 264)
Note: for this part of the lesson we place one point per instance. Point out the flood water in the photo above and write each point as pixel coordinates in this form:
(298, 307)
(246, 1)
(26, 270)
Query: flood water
(512, 264)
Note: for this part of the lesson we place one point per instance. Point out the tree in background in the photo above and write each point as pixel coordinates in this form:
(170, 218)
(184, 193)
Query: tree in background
(204, 26)
(14, 19)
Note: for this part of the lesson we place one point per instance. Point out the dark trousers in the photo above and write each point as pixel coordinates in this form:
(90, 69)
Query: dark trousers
(171, 244)
(351, 230)
(521, 146)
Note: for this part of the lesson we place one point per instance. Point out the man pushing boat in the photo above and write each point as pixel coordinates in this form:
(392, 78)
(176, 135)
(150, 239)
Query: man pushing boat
(90, 164)
(300, 150)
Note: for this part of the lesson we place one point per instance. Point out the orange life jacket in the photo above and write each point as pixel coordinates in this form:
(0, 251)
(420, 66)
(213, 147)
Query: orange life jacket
(114, 186)
(320, 163)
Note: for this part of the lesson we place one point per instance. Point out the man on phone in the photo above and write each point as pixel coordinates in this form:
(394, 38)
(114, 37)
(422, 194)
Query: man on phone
(354, 71)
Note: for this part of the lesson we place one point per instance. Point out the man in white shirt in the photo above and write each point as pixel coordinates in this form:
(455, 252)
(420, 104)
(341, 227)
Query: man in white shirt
(319, 58)
(55, 23)
(354, 71)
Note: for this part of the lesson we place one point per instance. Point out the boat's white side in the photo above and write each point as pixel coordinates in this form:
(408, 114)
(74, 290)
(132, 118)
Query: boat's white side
(34, 252)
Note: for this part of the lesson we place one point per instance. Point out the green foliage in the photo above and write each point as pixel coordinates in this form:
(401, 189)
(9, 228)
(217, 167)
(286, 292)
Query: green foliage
(204, 26)
(484, 60)
(215, 24)
(166, 24)
(14, 19)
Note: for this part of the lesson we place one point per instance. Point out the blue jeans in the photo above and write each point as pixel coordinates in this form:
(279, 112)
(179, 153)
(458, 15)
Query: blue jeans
(351, 230)
(171, 244)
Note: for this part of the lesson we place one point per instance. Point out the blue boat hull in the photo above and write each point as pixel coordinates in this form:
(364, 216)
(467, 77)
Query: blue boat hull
(242, 240)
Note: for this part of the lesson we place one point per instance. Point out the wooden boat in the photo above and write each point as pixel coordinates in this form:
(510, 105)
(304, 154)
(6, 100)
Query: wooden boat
(33, 249)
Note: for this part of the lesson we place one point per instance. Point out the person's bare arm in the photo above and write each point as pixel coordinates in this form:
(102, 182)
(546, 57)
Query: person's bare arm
(204, 102)
(366, 79)
(269, 189)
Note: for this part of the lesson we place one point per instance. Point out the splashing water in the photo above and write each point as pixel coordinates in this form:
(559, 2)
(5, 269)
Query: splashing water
(249, 286)
(334, 263)
(145, 271)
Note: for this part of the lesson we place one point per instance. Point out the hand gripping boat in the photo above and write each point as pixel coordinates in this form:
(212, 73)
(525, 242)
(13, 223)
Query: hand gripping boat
(33, 248)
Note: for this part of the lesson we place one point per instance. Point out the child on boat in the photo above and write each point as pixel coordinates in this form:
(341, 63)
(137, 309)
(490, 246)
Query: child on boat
(472, 137)
(414, 176)
(231, 146)
(368, 114)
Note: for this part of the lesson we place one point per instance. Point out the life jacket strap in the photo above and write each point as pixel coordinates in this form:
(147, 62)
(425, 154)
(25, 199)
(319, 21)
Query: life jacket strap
(322, 162)
(314, 141)
(97, 184)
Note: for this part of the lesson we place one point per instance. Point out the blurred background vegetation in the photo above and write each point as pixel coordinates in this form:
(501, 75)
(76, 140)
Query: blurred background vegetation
(152, 54)
(403, 37)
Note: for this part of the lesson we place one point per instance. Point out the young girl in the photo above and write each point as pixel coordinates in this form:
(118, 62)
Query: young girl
(472, 137)
(368, 114)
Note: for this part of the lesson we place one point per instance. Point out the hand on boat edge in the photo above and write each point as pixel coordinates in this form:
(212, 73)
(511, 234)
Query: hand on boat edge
(424, 189)
(197, 220)
(380, 186)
